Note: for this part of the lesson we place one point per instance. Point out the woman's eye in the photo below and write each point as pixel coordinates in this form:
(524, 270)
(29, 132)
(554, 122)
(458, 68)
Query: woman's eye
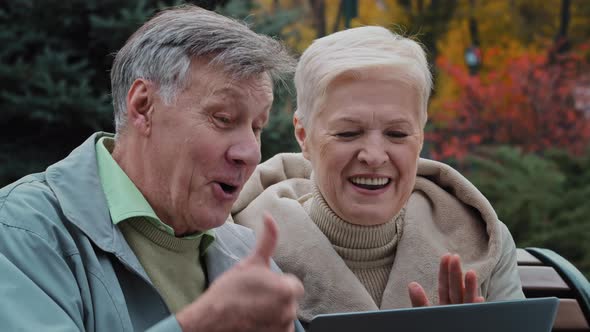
(397, 134)
(348, 134)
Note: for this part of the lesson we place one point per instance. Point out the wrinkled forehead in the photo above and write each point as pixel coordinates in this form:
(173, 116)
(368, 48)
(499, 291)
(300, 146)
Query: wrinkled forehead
(211, 79)
(253, 91)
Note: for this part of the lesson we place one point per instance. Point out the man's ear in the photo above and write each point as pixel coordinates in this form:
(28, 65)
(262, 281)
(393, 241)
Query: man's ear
(301, 135)
(140, 106)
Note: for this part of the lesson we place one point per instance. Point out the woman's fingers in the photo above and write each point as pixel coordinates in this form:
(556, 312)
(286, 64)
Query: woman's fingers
(453, 286)
(417, 295)
(456, 284)
(443, 280)
(471, 287)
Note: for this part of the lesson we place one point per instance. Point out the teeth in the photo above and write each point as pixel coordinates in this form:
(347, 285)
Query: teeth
(370, 181)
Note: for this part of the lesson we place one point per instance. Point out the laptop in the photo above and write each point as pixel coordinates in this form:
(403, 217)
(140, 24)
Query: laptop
(530, 315)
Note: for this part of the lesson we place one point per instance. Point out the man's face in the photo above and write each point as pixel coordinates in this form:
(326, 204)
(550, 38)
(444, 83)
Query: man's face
(204, 146)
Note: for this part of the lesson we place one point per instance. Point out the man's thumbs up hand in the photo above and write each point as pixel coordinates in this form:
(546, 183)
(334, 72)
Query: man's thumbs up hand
(248, 297)
(266, 243)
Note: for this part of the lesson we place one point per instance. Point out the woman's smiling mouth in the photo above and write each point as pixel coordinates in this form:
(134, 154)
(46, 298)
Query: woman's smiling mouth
(370, 183)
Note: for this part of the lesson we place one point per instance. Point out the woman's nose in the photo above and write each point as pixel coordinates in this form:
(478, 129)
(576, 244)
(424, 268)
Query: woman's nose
(373, 153)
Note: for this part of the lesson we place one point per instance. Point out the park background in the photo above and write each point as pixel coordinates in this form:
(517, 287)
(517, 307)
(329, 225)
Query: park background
(510, 108)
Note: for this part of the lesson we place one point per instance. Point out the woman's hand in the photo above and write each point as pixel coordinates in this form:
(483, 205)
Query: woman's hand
(453, 288)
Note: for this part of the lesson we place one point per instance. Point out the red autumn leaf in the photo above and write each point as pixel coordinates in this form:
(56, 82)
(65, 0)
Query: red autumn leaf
(527, 101)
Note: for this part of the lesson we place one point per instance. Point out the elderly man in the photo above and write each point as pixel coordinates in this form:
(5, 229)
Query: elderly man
(127, 232)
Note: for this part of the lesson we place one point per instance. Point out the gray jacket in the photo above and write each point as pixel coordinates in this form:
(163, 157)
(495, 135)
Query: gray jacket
(65, 267)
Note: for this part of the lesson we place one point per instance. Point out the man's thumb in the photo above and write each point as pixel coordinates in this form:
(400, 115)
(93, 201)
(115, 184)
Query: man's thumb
(267, 241)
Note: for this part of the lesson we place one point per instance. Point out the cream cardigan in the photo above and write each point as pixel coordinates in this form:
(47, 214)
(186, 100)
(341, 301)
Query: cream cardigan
(445, 213)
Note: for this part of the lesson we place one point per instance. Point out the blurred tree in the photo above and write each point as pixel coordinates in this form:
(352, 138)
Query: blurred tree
(54, 81)
(318, 8)
(278, 135)
(526, 102)
(429, 20)
(515, 27)
(543, 201)
(579, 25)
(564, 20)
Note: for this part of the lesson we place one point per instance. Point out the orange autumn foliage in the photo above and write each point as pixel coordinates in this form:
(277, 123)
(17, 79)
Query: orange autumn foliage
(528, 101)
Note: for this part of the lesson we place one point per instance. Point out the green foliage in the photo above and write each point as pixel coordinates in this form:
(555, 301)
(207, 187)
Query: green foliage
(429, 22)
(278, 135)
(543, 200)
(54, 73)
(54, 84)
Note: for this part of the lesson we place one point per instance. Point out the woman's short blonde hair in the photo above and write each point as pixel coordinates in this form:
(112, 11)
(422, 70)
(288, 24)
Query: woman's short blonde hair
(360, 52)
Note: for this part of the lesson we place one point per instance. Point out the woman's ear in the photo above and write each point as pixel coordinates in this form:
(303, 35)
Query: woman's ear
(140, 106)
(301, 135)
(421, 143)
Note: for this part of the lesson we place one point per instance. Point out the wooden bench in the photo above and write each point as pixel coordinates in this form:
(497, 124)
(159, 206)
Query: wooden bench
(545, 273)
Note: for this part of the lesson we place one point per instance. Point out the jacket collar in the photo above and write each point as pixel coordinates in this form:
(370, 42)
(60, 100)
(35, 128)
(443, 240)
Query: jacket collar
(76, 184)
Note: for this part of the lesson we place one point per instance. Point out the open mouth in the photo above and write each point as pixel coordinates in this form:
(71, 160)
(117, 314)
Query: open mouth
(228, 188)
(370, 183)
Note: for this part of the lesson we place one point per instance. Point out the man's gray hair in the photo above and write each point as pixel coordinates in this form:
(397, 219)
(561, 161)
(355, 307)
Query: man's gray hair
(162, 49)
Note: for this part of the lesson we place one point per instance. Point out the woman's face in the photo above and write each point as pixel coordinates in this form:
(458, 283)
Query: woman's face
(364, 146)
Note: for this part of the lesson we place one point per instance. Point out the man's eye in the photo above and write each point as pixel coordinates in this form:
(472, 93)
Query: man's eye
(396, 134)
(348, 134)
(222, 119)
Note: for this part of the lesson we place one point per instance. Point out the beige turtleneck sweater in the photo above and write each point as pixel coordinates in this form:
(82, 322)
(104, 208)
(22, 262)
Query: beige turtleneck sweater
(368, 251)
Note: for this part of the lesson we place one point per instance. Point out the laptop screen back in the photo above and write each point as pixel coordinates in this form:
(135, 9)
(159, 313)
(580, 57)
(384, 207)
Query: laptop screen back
(533, 315)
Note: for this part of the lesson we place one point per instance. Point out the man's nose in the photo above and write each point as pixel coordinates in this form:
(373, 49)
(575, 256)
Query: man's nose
(245, 151)
(373, 152)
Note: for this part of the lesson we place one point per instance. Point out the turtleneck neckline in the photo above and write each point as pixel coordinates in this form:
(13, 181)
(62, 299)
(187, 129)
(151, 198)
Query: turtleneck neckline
(162, 238)
(360, 246)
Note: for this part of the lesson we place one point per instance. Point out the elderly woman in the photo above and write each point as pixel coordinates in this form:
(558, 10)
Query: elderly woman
(363, 220)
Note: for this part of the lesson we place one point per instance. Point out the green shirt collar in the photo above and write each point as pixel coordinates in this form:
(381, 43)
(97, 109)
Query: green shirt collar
(124, 200)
